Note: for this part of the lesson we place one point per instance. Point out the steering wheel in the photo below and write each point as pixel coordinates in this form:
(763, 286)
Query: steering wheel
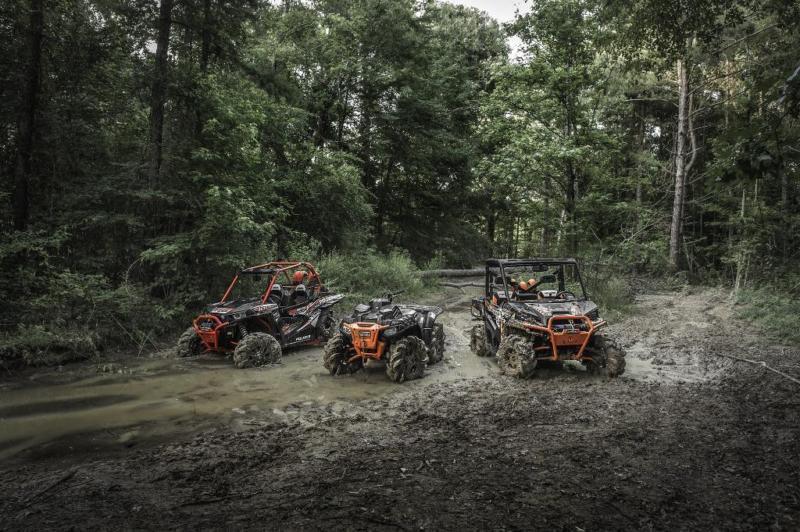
(565, 293)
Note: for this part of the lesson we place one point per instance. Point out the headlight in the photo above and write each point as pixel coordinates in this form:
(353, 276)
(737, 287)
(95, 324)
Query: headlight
(391, 331)
(345, 330)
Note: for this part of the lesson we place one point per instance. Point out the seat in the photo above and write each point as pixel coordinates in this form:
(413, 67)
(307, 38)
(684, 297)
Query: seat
(299, 295)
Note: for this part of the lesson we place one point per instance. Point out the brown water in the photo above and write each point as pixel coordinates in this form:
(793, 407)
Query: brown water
(151, 400)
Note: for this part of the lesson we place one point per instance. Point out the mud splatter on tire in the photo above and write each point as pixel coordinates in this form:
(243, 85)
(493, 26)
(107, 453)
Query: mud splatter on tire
(256, 350)
(334, 358)
(477, 341)
(609, 357)
(189, 344)
(436, 349)
(515, 358)
(407, 359)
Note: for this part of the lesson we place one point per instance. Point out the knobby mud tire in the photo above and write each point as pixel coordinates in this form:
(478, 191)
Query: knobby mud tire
(256, 350)
(515, 357)
(335, 356)
(407, 359)
(609, 357)
(477, 341)
(436, 349)
(189, 344)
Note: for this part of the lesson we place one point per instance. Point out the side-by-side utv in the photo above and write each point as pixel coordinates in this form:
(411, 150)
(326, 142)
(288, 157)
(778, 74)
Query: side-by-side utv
(536, 310)
(406, 337)
(266, 308)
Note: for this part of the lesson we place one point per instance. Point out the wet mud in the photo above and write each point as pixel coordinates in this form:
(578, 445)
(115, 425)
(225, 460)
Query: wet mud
(685, 439)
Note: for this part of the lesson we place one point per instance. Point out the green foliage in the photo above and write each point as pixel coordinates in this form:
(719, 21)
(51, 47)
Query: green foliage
(610, 288)
(771, 308)
(362, 276)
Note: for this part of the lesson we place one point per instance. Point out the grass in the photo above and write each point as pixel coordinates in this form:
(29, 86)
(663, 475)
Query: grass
(772, 309)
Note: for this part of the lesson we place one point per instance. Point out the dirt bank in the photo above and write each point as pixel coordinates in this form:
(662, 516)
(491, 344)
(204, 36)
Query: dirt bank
(687, 439)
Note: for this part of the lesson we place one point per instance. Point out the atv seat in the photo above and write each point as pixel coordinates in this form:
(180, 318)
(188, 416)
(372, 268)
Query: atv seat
(499, 296)
(299, 295)
(526, 296)
(276, 295)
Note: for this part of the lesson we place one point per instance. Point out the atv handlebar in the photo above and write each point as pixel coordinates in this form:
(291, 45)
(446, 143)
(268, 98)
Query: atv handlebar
(390, 295)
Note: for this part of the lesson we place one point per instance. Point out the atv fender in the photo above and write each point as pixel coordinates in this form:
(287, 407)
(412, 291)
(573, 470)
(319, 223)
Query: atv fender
(329, 301)
(426, 320)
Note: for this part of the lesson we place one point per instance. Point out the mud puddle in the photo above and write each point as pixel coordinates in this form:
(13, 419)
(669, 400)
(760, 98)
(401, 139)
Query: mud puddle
(153, 400)
(668, 341)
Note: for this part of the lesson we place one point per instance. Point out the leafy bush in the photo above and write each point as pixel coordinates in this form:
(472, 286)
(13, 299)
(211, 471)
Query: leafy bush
(369, 274)
(54, 315)
(613, 294)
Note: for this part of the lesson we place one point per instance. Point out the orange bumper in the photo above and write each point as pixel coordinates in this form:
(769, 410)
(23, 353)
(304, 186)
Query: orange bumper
(208, 327)
(365, 340)
(570, 336)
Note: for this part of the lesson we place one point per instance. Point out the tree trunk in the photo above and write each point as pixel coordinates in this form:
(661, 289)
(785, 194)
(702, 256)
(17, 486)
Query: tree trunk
(676, 228)
(491, 221)
(26, 119)
(205, 50)
(159, 90)
(569, 208)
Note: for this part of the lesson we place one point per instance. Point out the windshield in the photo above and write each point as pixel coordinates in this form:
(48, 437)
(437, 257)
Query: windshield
(544, 281)
(249, 286)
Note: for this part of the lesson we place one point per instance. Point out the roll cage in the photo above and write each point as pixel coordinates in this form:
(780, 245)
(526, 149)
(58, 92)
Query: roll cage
(273, 271)
(536, 264)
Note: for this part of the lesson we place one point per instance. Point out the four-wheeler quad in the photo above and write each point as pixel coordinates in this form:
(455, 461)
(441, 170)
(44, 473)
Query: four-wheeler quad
(536, 310)
(406, 337)
(265, 308)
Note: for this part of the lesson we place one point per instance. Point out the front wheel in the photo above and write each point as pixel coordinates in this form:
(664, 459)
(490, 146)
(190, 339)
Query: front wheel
(515, 357)
(189, 344)
(335, 357)
(608, 359)
(256, 350)
(477, 341)
(436, 349)
(407, 359)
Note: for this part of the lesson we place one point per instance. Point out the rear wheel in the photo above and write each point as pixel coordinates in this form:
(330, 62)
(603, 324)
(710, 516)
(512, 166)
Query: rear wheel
(436, 349)
(477, 341)
(335, 357)
(407, 359)
(608, 359)
(256, 350)
(189, 344)
(515, 357)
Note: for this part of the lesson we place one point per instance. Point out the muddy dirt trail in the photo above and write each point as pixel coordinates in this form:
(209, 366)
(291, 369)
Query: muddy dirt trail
(685, 439)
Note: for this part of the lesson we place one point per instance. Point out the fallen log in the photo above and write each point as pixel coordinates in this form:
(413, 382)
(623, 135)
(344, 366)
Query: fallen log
(460, 285)
(474, 272)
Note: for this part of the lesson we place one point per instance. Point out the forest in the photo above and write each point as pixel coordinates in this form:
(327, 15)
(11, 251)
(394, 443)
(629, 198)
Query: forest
(150, 149)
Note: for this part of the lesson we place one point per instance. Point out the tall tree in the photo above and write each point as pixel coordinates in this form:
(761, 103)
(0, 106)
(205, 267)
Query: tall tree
(26, 120)
(158, 92)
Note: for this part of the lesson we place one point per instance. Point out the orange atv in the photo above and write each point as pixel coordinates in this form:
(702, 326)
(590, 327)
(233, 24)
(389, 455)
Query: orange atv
(547, 317)
(406, 337)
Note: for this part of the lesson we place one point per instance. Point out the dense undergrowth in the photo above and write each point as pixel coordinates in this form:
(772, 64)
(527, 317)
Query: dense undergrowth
(53, 315)
(773, 309)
